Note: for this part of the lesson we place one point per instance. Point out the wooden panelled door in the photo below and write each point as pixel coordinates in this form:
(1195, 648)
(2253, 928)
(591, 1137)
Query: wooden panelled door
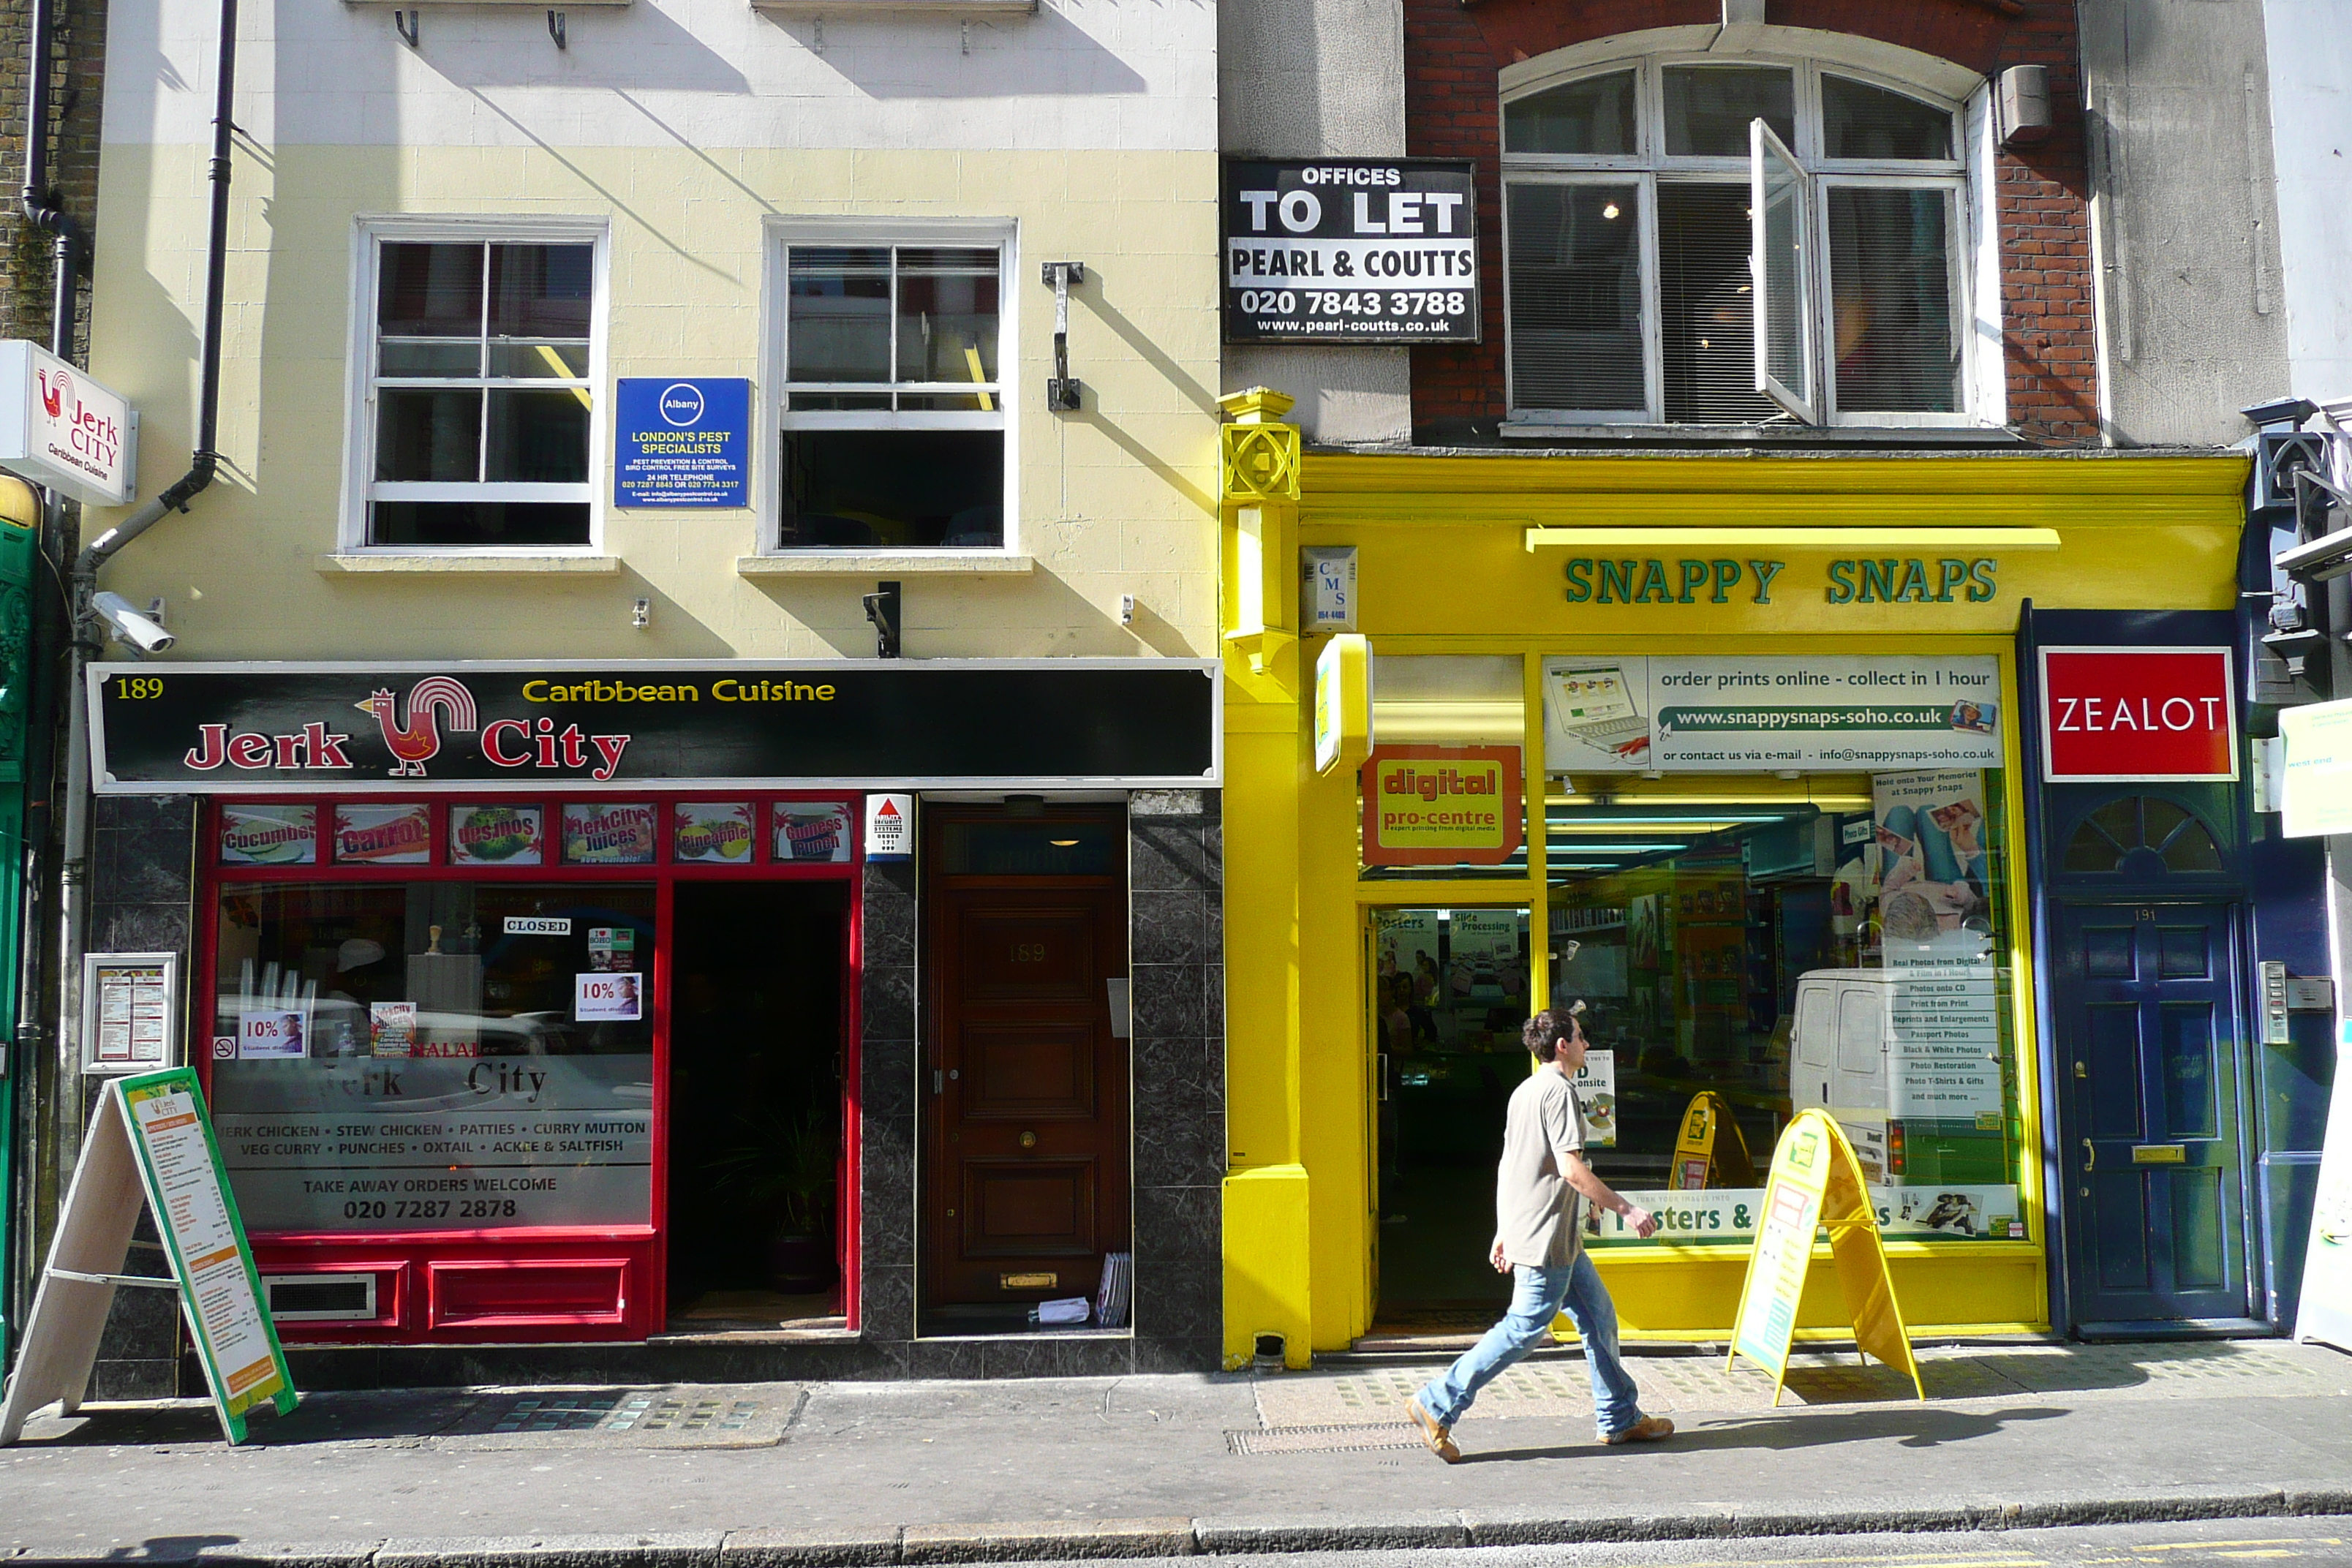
(1026, 1171)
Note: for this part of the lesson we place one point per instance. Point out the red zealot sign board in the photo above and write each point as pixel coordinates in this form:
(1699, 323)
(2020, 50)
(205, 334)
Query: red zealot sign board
(2117, 714)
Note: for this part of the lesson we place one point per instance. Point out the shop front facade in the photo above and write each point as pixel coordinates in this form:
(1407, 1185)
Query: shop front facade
(699, 1010)
(1745, 755)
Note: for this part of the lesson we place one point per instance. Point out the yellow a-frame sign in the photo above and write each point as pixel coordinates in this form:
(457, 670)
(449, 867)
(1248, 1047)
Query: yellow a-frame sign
(1816, 1182)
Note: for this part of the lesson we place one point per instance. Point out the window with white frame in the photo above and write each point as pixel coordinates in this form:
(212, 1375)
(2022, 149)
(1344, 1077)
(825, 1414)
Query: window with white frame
(480, 396)
(894, 426)
(1662, 218)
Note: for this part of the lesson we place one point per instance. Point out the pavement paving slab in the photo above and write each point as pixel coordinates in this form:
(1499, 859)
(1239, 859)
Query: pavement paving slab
(852, 1474)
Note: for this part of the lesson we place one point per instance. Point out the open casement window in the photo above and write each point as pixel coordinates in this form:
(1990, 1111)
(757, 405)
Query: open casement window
(1783, 272)
(1735, 241)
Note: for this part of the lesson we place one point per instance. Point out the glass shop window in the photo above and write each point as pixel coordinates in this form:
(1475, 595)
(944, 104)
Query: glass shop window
(1750, 947)
(435, 1056)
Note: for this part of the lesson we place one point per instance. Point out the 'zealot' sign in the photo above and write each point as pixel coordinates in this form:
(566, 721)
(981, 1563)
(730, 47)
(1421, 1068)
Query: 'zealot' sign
(2117, 714)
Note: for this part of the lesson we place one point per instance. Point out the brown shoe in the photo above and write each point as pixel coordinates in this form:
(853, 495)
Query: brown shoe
(1648, 1429)
(1438, 1439)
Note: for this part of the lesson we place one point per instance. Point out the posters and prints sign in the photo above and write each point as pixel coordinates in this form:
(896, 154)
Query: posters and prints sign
(255, 729)
(1742, 715)
(1361, 250)
(681, 441)
(60, 428)
(2138, 714)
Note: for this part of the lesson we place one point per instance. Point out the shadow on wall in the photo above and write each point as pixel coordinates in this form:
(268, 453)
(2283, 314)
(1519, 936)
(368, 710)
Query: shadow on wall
(938, 57)
(607, 46)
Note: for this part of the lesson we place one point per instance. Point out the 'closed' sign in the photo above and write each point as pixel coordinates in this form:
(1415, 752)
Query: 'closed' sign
(2111, 714)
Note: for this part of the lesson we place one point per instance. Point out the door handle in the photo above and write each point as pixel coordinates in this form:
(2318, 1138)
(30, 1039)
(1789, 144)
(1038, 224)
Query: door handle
(2081, 1071)
(2090, 1156)
(1384, 1075)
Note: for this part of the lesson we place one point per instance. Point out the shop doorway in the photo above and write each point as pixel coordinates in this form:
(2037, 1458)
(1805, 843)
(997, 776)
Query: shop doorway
(756, 1118)
(1449, 989)
(1025, 1075)
(2151, 1063)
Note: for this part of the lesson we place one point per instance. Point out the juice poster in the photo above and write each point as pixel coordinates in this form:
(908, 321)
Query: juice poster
(712, 832)
(269, 835)
(497, 835)
(597, 834)
(811, 830)
(383, 835)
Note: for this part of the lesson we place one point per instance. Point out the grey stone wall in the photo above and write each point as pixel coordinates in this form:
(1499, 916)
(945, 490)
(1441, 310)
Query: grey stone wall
(887, 1110)
(2193, 319)
(1302, 79)
(142, 886)
(1177, 976)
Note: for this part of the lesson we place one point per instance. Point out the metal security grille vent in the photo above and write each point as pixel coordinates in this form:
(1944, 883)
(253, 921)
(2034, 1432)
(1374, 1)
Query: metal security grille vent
(1706, 306)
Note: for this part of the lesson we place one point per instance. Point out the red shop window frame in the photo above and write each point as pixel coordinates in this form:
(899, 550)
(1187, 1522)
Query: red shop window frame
(665, 873)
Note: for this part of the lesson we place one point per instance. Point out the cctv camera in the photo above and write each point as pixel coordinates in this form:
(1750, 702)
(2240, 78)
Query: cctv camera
(134, 626)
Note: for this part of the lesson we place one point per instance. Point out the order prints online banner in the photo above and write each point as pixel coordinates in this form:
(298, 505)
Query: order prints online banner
(1739, 715)
(221, 729)
(1365, 250)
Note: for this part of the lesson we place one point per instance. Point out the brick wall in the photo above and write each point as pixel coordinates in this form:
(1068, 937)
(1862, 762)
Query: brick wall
(1452, 53)
(77, 62)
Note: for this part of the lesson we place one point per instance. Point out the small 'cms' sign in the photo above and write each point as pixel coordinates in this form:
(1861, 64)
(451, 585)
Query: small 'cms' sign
(2113, 715)
(1442, 806)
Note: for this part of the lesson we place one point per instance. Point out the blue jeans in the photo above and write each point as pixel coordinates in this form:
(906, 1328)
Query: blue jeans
(1537, 1296)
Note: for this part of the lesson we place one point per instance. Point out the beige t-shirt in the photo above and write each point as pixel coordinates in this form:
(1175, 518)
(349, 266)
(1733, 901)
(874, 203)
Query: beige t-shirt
(1535, 1208)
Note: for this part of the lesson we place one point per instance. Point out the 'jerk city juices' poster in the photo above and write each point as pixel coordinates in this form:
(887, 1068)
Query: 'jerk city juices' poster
(495, 836)
(596, 834)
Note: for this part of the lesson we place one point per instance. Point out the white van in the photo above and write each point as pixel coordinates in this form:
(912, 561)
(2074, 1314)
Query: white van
(1908, 1062)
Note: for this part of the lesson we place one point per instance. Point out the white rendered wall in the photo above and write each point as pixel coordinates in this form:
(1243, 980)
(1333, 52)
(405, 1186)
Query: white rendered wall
(2311, 115)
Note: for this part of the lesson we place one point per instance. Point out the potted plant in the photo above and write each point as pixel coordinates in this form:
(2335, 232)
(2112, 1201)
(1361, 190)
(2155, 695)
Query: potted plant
(783, 1175)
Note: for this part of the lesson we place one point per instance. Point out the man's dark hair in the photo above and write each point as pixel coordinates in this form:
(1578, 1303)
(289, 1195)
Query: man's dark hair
(1544, 1032)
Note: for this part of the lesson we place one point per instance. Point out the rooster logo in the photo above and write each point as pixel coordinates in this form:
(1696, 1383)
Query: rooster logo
(415, 742)
(56, 387)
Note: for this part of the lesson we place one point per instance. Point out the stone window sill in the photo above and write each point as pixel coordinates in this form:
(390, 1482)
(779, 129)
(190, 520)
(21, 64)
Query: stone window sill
(886, 564)
(369, 561)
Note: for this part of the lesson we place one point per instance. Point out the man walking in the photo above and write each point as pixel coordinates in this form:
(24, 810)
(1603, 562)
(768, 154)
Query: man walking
(1537, 1238)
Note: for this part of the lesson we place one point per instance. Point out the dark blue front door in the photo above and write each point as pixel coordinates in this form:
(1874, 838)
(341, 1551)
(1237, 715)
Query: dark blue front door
(2151, 1047)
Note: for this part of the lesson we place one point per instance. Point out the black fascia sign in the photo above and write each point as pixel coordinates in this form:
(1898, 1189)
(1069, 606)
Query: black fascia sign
(1350, 250)
(252, 729)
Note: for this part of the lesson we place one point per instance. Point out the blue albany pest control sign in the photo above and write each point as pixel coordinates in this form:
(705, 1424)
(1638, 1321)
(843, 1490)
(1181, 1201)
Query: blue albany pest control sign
(680, 442)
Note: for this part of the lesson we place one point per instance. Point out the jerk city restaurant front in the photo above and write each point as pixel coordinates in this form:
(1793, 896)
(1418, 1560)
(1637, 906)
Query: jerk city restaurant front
(837, 1013)
(1743, 754)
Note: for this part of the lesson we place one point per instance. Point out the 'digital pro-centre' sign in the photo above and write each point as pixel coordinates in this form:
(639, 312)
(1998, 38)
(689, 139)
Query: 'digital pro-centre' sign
(1350, 250)
(682, 441)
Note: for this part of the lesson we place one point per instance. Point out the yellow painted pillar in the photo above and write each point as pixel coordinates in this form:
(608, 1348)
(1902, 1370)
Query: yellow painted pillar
(1266, 1251)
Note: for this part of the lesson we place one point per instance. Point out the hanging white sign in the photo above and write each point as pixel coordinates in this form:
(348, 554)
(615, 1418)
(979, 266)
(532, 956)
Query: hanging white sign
(62, 429)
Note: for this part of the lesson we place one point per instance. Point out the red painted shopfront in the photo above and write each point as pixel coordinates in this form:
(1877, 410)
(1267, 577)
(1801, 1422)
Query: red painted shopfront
(520, 1067)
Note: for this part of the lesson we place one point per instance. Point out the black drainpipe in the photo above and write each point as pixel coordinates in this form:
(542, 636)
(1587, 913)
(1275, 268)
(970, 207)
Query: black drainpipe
(203, 463)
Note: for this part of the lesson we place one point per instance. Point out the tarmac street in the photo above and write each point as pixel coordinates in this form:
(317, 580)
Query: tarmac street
(2013, 1436)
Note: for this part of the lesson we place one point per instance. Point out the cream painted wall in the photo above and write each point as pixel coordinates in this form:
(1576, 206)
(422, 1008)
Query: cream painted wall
(1119, 499)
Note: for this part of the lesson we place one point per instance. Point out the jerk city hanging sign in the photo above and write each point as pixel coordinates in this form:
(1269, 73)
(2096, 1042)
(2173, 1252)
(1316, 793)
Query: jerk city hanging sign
(1356, 250)
(232, 729)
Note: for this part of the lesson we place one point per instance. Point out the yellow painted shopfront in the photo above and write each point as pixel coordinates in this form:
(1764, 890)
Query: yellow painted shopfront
(1729, 748)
